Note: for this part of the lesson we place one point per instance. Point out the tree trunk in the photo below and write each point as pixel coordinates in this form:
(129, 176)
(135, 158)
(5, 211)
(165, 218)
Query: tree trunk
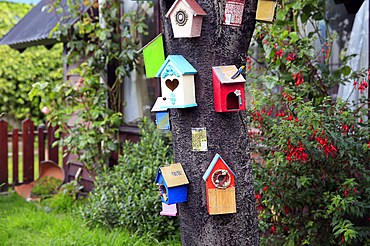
(227, 133)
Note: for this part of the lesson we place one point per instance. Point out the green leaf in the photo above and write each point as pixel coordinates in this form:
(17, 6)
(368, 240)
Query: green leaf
(294, 36)
(346, 70)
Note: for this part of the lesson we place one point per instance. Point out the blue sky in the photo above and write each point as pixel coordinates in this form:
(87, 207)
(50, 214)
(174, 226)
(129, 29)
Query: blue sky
(34, 2)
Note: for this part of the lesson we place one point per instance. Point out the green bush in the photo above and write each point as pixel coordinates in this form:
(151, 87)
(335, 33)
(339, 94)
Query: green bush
(127, 195)
(20, 71)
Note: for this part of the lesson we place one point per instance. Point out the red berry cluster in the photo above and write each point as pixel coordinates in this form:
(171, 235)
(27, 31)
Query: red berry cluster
(325, 49)
(249, 61)
(362, 87)
(279, 53)
(291, 58)
(297, 154)
(288, 96)
(298, 78)
(323, 143)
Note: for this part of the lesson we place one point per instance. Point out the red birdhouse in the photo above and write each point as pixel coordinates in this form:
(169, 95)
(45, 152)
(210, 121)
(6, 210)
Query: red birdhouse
(228, 93)
(220, 185)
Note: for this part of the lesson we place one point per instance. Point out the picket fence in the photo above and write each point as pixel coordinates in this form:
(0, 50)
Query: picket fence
(28, 150)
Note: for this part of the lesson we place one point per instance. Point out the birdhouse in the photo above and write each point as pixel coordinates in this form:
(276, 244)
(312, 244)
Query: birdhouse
(186, 18)
(177, 83)
(172, 183)
(266, 10)
(228, 93)
(220, 185)
(162, 116)
(169, 210)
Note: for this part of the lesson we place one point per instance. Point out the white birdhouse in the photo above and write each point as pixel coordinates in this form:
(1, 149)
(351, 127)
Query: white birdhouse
(186, 18)
(177, 83)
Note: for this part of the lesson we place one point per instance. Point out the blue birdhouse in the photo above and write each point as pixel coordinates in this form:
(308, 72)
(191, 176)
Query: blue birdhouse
(172, 183)
(162, 116)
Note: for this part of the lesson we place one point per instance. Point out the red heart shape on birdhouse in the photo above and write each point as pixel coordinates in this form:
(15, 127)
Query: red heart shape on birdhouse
(172, 84)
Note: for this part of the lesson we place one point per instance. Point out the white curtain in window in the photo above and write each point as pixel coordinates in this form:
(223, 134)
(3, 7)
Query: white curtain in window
(358, 44)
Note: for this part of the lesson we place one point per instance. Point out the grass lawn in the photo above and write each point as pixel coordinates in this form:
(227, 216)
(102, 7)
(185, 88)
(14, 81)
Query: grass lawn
(23, 223)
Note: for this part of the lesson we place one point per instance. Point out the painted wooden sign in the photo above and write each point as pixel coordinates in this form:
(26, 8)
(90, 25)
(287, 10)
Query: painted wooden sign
(172, 183)
(153, 56)
(266, 10)
(177, 83)
(186, 18)
(220, 185)
(234, 10)
(229, 94)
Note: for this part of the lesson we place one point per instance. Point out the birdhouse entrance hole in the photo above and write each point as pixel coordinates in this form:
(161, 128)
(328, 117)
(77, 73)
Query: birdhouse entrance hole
(172, 84)
(163, 192)
(232, 101)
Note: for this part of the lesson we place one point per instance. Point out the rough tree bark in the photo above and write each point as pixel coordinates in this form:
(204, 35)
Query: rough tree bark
(227, 133)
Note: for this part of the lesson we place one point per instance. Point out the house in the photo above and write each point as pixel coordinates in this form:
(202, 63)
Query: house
(172, 183)
(220, 186)
(177, 83)
(228, 93)
(138, 92)
(186, 18)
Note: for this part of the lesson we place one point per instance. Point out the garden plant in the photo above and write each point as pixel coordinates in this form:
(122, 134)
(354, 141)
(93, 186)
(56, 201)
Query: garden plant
(20, 70)
(127, 195)
(312, 179)
(96, 46)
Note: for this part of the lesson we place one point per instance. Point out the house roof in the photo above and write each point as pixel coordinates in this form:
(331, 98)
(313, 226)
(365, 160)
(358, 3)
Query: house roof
(181, 64)
(212, 165)
(173, 175)
(191, 4)
(224, 74)
(35, 27)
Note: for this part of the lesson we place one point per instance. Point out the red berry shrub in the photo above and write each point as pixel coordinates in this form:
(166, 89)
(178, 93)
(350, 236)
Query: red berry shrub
(313, 182)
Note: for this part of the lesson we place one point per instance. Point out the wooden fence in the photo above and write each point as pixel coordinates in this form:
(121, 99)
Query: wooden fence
(28, 150)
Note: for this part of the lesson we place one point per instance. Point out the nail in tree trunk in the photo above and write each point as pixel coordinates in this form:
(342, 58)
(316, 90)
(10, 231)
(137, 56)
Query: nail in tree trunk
(227, 133)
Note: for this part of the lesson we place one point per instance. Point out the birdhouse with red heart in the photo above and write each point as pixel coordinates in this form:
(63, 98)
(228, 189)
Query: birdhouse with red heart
(172, 183)
(186, 18)
(177, 83)
(220, 185)
(228, 90)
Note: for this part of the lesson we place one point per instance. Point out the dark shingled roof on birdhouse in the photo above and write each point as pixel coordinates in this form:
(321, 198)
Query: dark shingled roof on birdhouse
(191, 4)
(35, 27)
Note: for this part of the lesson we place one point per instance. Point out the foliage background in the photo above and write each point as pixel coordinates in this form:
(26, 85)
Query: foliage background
(19, 71)
(127, 196)
(312, 184)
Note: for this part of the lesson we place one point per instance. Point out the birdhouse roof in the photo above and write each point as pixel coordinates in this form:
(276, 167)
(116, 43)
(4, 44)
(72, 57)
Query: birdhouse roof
(180, 63)
(157, 105)
(212, 165)
(191, 4)
(224, 74)
(173, 175)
